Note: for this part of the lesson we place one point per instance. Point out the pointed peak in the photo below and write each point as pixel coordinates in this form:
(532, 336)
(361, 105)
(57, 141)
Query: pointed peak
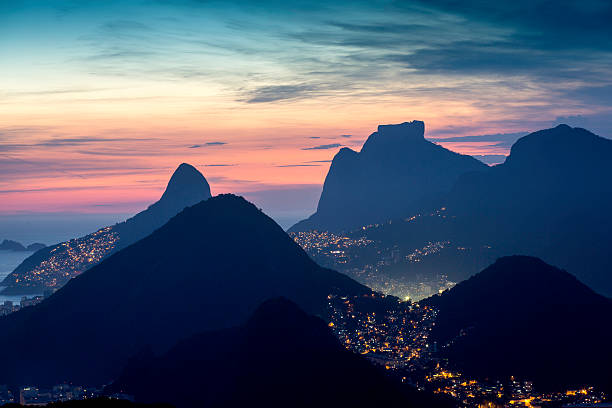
(345, 152)
(185, 170)
(562, 126)
(187, 183)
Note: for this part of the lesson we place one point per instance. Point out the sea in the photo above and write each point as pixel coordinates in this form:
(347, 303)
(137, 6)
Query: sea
(9, 260)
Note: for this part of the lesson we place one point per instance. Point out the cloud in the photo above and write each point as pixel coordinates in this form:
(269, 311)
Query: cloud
(298, 165)
(319, 161)
(323, 146)
(595, 95)
(47, 167)
(347, 136)
(77, 141)
(545, 24)
(217, 165)
(118, 26)
(46, 189)
(273, 93)
(207, 144)
(70, 142)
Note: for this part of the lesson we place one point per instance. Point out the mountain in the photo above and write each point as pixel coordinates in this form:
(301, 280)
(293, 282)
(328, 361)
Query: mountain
(9, 245)
(53, 266)
(208, 268)
(522, 317)
(281, 357)
(393, 175)
(36, 246)
(551, 198)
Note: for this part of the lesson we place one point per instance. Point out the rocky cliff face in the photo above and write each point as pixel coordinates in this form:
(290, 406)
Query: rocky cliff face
(396, 172)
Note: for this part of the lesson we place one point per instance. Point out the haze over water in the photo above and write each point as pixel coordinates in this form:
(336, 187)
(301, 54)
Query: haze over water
(9, 260)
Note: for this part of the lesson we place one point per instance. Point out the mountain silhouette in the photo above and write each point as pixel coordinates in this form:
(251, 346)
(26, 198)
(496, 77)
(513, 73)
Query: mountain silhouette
(393, 175)
(53, 266)
(551, 198)
(280, 357)
(209, 267)
(522, 317)
(10, 245)
(186, 187)
(36, 246)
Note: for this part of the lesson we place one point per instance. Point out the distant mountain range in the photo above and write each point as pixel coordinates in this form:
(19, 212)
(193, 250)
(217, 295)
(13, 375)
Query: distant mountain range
(208, 268)
(9, 245)
(280, 357)
(53, 266)
(551, 198)
(396, 173)
(524, 318)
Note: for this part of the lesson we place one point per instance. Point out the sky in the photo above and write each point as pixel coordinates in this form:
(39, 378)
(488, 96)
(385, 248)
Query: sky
(101, 100)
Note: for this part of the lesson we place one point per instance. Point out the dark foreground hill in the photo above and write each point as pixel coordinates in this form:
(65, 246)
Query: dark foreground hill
(209, 267)
(96, 403)
(393, 175)
(525, 318)
(281, 357)
(53, 266)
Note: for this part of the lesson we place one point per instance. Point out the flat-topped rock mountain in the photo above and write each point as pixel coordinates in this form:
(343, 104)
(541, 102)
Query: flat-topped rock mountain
(53, 266)
(208, 268)
(522, 317)
(279, 357)
(396, 172)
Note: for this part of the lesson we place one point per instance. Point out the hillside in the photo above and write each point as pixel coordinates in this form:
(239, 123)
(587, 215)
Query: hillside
(53, 266)
(281, 357)
(208, 268)
(522, 317)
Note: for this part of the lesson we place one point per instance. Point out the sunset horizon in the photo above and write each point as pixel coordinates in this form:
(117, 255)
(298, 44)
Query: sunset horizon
(101, 103)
